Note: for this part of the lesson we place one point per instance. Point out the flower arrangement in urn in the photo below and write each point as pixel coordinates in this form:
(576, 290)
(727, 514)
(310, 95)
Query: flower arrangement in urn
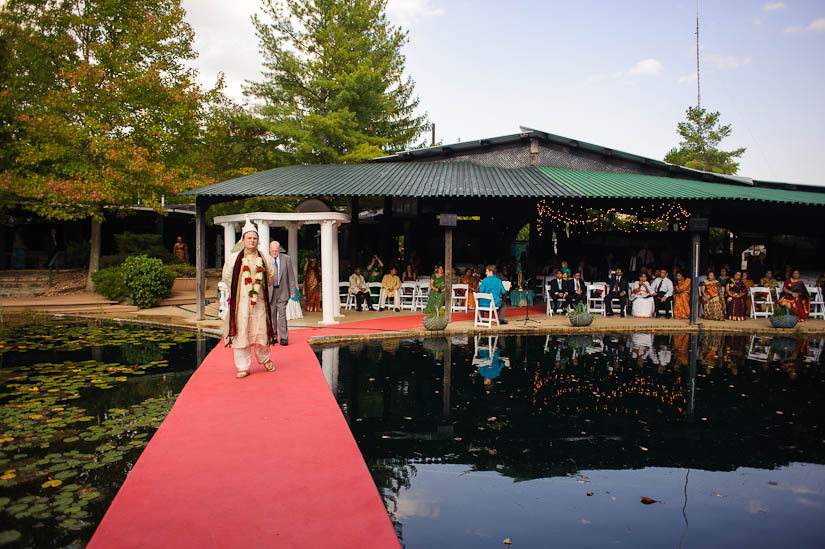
(579, 316)
(435, 320)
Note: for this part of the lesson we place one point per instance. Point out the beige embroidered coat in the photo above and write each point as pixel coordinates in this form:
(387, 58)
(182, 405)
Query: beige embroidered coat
(251, 320)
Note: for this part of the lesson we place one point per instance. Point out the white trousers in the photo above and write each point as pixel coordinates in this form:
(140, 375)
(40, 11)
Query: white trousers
(396, 295)
(243, 357)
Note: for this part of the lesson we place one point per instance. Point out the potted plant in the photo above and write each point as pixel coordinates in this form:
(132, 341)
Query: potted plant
(579, 316)
(435, 320)
(782, 317)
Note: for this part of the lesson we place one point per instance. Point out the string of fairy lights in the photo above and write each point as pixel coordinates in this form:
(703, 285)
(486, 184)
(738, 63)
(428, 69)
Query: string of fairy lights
(576, 218)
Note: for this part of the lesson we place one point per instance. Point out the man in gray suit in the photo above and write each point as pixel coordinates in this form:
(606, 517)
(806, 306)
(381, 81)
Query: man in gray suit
(284, 287)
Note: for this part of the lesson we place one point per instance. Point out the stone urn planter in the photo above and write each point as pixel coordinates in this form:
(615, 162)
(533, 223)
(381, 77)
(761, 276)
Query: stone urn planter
(579, 316)
(783, 318)
(435, 323)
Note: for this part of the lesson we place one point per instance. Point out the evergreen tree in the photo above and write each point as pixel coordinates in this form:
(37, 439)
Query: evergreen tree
(98, 109)
(699, 149)
(333, 88)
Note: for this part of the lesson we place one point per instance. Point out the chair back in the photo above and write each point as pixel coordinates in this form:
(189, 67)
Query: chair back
(487, 313)
(761, 298)
(459, 297)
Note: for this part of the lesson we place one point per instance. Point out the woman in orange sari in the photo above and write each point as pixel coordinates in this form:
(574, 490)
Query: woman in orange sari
(312, 285)
(681, 297)
(795, 297)
(472, 283)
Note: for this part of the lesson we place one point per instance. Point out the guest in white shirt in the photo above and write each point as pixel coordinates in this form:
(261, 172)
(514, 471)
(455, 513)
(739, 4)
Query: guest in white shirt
(662, 288)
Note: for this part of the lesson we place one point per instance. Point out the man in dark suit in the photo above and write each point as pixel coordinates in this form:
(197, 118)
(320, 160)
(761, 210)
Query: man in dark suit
(576, 290)
(616, 289)
(558, 291)
(284, 287)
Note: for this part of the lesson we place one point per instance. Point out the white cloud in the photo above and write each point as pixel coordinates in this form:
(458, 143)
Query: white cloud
(647, 67)
(773, 6)
(727, 61)
(406, 12)
(817, 25)
(687, 78)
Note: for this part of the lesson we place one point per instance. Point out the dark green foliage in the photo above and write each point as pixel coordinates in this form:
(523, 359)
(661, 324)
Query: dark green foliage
(109, 283)
(181, 269)
(148, 280)
(77, 254)
(148, 244)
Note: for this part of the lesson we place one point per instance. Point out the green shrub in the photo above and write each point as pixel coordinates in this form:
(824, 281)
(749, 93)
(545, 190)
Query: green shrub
(77, 254)
(148, 244)
(148, 280)
(181, 269)
(111, 260)
(109, 283)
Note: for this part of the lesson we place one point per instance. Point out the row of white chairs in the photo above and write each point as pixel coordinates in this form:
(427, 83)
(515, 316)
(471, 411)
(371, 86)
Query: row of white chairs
(414, 295)
(763, 301)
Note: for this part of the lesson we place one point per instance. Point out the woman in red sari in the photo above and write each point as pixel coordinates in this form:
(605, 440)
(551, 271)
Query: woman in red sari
(795, 297)
(312, 285)
(736, 294)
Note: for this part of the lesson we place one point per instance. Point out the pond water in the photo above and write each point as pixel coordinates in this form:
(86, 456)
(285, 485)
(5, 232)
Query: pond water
(78, 403)
(556, 441)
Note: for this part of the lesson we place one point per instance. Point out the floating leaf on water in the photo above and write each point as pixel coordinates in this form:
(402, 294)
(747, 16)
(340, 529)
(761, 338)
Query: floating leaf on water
(648, 501)
(51, 483)
(9, 536)
(71, 439)
(507, 541)
(643, 449)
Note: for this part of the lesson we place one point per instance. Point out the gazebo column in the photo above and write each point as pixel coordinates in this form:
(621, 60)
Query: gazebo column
(336, 270)
(228, 240)
(292, 245)
(329, 287)
(329, 366)
(263, 235)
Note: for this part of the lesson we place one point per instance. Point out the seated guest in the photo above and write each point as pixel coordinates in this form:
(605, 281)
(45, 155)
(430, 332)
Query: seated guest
(768, 281)
(736, 293)
(565, 270)
(576, 290)
(409, 274)
(472, 282)
(681, 297)
(358, 288)
(558, 291)
(438, 283)
(642, 299)
(723, 277)
(492, 285)
(746, 278)
(712, 306)
(390, 286)
(795, 297)
(616, 289)
(663, 288)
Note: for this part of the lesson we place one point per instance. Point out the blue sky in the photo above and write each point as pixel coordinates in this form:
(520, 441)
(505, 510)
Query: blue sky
(618, 74)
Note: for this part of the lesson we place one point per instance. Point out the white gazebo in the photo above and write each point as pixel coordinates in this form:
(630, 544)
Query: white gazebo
(329, 221)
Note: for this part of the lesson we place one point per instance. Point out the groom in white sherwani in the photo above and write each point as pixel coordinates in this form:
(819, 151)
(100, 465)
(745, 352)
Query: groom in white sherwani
(284, 287)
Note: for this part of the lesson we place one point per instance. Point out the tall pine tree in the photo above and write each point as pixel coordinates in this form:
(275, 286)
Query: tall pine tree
(699, 149)
(333, 87)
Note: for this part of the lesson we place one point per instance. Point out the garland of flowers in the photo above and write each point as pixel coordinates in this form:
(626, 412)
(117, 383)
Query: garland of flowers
(256, 283)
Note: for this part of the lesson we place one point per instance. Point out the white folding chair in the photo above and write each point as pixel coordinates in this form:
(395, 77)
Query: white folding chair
(596, 293)
(761, 295)
(459, 300)
(481, 319)
(347, 299)
(374, 288)
(408, 292)
(548, 302)
(758, 350)
(480, 361)
(817, 304)
(422, 295)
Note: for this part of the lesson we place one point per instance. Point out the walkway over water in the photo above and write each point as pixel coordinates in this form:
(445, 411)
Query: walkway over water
(266, 461)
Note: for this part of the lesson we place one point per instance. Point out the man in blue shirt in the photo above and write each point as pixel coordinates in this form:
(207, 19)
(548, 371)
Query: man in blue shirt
(492, 285)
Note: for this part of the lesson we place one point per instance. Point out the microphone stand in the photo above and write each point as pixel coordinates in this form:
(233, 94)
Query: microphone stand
(526, 302)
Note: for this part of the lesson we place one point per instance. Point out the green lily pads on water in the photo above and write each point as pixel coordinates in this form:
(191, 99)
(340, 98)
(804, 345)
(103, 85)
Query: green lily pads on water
(9, 536)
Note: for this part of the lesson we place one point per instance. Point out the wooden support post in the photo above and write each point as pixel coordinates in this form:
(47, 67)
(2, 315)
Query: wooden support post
(448, 271)
(694, 278)
(200, 257)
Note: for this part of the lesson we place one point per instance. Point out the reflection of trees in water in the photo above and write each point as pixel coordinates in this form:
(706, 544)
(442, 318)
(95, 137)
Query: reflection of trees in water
(391, 476)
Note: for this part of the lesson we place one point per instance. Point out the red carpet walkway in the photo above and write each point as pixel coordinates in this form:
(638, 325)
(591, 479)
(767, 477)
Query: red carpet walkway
(266, 461)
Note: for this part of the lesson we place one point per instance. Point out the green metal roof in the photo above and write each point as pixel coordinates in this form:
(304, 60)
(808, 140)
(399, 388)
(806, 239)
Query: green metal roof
(464, 179)
(409, 179)
(628, 185)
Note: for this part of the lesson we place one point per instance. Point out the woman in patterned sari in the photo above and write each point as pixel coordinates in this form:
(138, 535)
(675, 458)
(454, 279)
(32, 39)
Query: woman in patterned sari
(312, 285)
(736, 298)
(795, 297)
(713, 308)
(681, 297)
(435, 299)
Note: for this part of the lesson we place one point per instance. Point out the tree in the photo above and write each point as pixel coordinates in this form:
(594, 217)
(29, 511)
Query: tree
(701, 135)
(100, 111)
(333, 86)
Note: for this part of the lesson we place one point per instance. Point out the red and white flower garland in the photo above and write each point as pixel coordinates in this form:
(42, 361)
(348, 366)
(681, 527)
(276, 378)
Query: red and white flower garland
(255, 282)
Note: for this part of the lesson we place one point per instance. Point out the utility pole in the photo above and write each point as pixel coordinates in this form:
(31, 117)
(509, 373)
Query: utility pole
(698, 87)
